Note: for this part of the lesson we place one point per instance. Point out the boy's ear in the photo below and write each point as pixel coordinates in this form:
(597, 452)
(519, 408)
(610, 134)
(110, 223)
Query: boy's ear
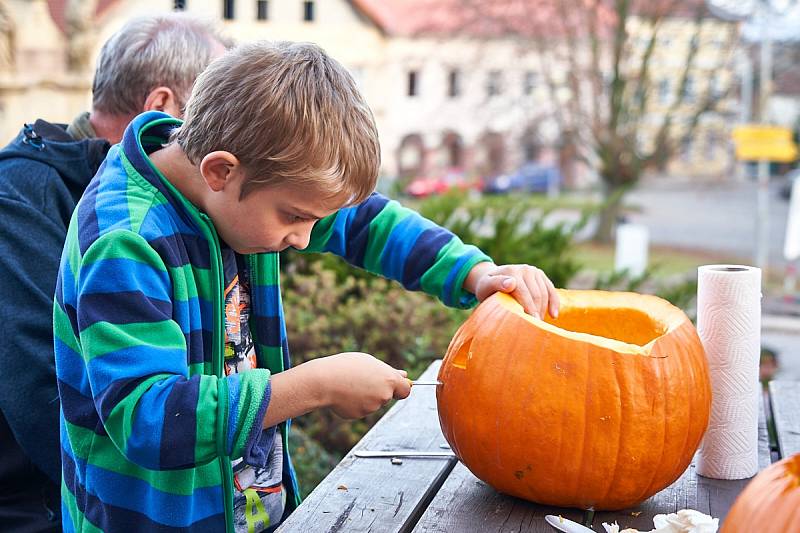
(163, 99)
(219, 168)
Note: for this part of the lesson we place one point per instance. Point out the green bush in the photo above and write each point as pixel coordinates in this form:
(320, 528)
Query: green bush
(511, 230)
(324, 316)
(311, 461)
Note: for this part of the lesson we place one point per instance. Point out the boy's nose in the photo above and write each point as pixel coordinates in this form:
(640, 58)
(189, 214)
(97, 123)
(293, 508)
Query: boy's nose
(299, 240)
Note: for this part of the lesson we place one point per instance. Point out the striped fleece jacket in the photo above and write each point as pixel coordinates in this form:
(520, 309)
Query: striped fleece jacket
(149, 422)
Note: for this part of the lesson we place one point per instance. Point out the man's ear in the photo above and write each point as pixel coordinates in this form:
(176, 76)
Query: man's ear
(219, 169)
(163, 99)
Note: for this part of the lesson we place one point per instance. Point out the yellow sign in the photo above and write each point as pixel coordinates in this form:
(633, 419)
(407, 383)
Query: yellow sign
(764, 143)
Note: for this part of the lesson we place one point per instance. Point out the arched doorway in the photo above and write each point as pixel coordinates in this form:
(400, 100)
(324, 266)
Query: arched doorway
(493, 147)
(453, 150)
(530, 146)
(410, 156)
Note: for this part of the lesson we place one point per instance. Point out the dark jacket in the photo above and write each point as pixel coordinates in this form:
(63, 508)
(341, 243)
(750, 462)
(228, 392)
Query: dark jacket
(43, 173)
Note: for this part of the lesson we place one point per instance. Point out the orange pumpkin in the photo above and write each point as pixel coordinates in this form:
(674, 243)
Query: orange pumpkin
(770, 503)
(602, 407)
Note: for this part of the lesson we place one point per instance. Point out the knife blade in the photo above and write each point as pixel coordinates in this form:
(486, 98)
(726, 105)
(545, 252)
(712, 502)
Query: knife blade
(423, 382)
(566, 525)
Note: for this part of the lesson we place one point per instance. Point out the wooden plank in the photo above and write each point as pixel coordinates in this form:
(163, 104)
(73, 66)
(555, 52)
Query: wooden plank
(785, 401)
(691, 491)
(373, 494)
(465, 503)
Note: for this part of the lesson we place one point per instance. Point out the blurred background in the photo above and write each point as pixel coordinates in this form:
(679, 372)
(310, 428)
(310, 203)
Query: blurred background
(616, 144)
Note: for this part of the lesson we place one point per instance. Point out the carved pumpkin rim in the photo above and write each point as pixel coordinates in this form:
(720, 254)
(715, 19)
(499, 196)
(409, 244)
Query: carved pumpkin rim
(665, 318)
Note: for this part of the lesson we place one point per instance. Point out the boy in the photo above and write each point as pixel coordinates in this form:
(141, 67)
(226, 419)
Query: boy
(171, 351)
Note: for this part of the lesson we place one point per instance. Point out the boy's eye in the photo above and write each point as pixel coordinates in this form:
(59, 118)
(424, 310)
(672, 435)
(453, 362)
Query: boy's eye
(294, 218)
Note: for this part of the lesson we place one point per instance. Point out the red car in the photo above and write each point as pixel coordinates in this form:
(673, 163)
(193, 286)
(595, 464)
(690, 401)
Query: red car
(421, 187)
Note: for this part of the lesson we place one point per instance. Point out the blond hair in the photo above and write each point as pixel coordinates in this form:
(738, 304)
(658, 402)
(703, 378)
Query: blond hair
(291, 114)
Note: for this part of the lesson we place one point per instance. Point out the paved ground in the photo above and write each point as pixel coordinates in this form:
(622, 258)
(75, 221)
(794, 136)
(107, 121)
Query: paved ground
(718, 217)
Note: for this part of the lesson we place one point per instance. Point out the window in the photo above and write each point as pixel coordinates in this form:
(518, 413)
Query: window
(454, 83)
(262, 10)
(179, 5)
(228, 10)
(413, 83)
(308, 11)
(716, 90)
(686, 149)
(664, 91)
(711, 145)
(529, 83)
(493, 83)
(688, 90)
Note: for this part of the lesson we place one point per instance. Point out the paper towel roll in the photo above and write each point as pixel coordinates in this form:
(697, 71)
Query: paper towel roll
(729, 325)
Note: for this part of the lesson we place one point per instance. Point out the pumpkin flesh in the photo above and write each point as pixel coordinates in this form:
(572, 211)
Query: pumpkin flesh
(602, 407)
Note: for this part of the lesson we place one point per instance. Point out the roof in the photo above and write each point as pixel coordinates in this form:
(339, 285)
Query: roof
(477, 18)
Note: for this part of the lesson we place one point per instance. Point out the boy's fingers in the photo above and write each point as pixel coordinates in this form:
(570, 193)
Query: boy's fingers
(544, 296)
(555, 302)
(524, 296)
(402, 389)
(532, 289)
(496, 283)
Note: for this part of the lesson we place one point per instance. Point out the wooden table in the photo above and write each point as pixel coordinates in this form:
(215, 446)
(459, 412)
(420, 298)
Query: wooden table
(441, 495)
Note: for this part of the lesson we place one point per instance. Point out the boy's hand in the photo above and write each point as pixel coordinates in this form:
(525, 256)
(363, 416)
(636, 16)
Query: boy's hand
(358, 384)
(527, 284)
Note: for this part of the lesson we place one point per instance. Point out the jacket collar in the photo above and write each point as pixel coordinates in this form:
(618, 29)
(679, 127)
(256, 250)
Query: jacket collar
(147, 133)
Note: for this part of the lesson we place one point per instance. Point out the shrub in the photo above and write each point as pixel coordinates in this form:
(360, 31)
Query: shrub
(324, 316)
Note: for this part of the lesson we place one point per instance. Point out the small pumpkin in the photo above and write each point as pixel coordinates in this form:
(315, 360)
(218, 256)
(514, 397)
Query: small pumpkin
(600, 408)
(770, 503)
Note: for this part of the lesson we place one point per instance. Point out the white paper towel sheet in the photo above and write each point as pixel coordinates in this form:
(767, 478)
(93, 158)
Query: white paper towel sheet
(729, 325)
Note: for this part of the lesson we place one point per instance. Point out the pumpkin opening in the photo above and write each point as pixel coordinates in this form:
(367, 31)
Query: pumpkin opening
(626, 325)
(623, 322)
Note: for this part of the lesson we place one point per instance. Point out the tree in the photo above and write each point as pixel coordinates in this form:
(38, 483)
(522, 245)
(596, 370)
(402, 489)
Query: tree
(601, 60)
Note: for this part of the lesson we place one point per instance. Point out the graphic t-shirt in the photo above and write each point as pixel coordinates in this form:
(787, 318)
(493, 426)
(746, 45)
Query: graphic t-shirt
(258, 496)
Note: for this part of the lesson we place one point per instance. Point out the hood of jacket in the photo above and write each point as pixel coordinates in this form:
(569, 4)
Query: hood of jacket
(75, 161)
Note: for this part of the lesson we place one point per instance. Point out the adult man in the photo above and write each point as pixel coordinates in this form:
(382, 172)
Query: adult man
(150, 64)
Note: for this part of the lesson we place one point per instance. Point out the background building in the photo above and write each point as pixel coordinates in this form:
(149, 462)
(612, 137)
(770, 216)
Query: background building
(446, 98)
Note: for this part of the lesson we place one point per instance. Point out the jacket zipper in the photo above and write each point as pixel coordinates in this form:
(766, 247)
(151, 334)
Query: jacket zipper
(218, 348)
(218, 361)
(253, 263)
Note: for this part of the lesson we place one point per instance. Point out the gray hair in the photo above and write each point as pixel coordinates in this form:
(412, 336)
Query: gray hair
(168, 50)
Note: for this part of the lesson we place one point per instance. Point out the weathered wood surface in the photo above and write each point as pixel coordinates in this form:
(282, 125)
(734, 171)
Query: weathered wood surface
(465, 503)
(373, 494)
(442, 495)
(785, 402)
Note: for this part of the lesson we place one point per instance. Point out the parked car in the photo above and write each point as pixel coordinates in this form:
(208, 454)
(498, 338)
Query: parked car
(786, 188)
(530, 177)
(423, 186)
